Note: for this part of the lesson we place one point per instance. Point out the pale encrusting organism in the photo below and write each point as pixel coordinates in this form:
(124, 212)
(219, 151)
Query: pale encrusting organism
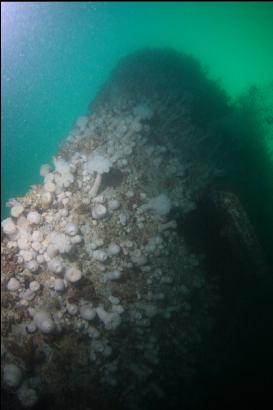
(95, 269)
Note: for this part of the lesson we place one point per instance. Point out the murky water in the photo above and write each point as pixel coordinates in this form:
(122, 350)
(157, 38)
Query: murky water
(137, 168)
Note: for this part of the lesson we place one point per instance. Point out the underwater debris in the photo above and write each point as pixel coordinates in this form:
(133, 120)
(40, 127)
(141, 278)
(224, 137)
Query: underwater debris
(238, 231)
(97, 274)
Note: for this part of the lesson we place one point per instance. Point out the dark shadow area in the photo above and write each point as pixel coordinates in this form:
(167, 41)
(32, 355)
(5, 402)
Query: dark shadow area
(111, 179)
(237, 358)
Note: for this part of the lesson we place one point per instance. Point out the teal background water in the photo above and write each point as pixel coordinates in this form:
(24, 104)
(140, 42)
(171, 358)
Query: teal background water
(55, 56)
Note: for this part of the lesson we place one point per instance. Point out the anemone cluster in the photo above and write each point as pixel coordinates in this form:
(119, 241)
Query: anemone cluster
(98, 286)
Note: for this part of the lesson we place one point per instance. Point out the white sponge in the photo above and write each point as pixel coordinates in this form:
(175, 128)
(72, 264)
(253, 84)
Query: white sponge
(12, 375)
(44, 322)
(98, 163)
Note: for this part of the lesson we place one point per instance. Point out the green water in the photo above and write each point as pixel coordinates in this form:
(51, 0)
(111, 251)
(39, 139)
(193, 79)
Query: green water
(55, 56)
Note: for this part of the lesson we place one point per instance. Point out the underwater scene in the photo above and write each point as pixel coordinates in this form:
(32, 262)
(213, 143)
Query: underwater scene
(136, 205)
